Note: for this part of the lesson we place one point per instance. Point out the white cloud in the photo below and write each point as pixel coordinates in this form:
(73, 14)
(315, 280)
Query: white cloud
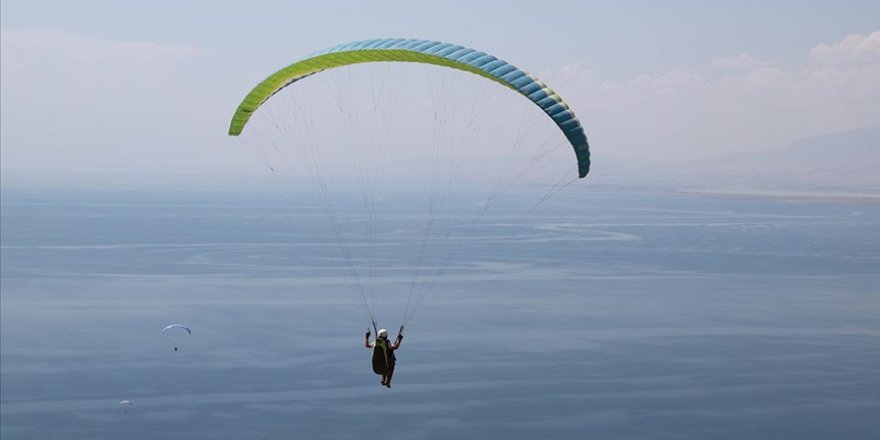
(44, 69)
(76, 102)
(740, 61)
(73, 52)
(683, 114)
(853, 49)
(70, 100)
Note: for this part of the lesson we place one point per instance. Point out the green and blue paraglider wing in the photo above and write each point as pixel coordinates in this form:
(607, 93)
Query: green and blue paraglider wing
(428, 52)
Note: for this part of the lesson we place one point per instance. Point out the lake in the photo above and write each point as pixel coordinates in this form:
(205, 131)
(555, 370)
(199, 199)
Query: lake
(603, 314)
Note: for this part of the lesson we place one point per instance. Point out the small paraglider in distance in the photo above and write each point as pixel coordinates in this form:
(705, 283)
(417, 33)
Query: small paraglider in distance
(125, 405)
(384, 359)
(176, 329)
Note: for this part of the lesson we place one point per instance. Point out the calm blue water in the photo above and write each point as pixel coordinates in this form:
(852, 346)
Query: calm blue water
(602, 315)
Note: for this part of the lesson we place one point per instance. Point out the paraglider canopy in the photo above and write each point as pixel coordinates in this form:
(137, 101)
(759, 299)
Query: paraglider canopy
(174, 326)
(427, 52)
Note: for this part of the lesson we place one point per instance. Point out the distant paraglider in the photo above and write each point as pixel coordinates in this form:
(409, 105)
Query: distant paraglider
(176, 330)
(125, 405)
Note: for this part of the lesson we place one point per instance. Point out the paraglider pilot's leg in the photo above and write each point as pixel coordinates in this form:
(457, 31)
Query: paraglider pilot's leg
(386, 379)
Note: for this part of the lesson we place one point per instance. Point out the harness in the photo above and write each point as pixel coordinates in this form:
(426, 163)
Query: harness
(387, 352)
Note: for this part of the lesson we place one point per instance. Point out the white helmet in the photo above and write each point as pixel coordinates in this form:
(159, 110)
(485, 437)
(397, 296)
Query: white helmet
(383, 333)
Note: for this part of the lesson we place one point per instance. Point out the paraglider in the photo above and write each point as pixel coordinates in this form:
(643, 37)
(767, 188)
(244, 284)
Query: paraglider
(384, 359)
(176, 330)
(125, 405)
(295, 139)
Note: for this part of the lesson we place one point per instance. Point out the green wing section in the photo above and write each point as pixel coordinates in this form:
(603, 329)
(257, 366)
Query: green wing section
(297, 71)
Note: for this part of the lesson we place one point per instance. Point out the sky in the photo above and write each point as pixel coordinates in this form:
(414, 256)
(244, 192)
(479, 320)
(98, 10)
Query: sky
(133, 86)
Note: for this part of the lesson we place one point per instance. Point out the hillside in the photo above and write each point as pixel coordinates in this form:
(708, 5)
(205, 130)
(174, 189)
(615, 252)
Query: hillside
(846, 162)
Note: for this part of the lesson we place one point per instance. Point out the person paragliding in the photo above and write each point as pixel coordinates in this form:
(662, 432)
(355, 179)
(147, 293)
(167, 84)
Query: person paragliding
(125, 405)
(307, 135)
(383, 354)
(176, 330)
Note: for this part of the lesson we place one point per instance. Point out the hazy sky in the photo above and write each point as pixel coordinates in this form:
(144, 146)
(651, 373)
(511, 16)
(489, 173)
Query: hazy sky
(150, 85)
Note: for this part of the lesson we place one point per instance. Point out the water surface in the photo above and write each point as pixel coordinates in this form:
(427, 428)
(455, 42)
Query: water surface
(601, 315)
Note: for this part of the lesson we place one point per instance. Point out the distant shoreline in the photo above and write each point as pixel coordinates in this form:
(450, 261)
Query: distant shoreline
(791, 196)
(249, 184)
